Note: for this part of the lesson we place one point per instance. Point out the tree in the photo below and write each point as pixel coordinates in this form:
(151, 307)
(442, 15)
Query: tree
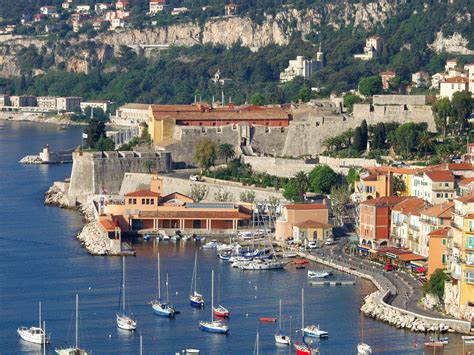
(462, 108)
(352, 176)
(395, 83)
(405, 136)
(105, 144)
(322, 178)
(304, 94)
(273, 203)
(291, 192)
(205, 154)
(435, 285)
(350, 100)
(399, 186)
(198, 192)
(340, 197)
(301, 183)
(379, 136)
(364, 133)
(222, 195)
(150, 165)
(257, 99)
(226, 151)
(425, 142)
(371, 85)
(247, 196)
(357, 140)
(94, 131)
(442, 109)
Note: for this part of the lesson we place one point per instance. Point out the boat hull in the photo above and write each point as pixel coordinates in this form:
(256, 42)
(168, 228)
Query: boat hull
(163, 310)
(125, 322)
(33, 335)
(316, 333)
(302, 349)
(282, 339)
(364, 349)
(213, 327)
(221, 312)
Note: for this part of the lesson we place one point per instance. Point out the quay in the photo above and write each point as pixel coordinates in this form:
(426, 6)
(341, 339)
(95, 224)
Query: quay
(331, 283)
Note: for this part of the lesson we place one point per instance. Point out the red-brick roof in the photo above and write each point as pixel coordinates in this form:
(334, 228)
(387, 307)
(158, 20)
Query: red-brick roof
(387, 201)
(441, 210)
(440, 232)
(466, 199)
(306, 206)
(409, 206)
(466, 181)
(457, 80)
(108, 225)
(142, 193)
(440, 175)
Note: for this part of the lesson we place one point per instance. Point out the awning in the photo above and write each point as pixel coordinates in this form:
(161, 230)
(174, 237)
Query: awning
(363, 247)
(417, 264)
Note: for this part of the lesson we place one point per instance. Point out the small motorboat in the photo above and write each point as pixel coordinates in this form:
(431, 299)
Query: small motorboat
(33, 335)
(289, 254)
(434, 344)
(221, 311)
(318, 274)
(224, 256)
(281, 338)
(468, 339)
(301, 262)
(146, 237)
(268, 319)
(364, 349)
(315, 332)
(444, 340)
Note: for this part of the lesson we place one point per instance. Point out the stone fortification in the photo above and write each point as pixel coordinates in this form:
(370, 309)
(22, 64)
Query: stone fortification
(102, 172)
(399, 99)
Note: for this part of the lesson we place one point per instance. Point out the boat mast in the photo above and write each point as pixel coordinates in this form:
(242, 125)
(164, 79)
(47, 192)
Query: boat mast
(302, 310)
(219, 289)
(256, 350)
(167, 291)
(212, 297)
(279, 318)
(123, 284)
(141, 345)
(39, 311)
(44, 337)
(77, 321)
(159, 278)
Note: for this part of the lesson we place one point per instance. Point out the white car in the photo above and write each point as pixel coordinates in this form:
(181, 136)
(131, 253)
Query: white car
(312, 245)
(330, 242)
(194, 178)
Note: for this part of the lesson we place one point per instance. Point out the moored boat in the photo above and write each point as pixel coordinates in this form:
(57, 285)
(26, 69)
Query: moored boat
(214, 326)
(73, 350)
(195, 298)
(125, 320)
(318, 274)
(280, 337)
(364, 349)
(268, 319)
(305, 349)
(35, 335)
(310, 330)
(434, 344)
(161, 308)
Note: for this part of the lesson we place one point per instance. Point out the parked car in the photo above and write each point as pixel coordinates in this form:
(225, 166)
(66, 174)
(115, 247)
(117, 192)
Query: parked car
(312, 245)
(330, 241)
(194, 178)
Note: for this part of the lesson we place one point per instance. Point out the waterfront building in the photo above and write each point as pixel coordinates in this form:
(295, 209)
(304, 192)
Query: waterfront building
(303, 221)
(465, 187)
(23, 101)
(47, 102)
(150, 210)
(102, 104)
(163, 118)
(131, 114)
(68, 104)
(461, 252)
(434, 186)
(405, 223)
(438, 241)
(375, 220)
(433, 218)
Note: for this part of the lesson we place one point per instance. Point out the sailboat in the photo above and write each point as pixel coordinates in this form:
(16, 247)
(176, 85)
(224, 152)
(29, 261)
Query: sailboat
(220, 310)
(76, 350)
(214, 326)
(303, 348)
(310, 330)
(281, 338)
(162, 308)
(363, 348)
(196, 299)
(125, 320)
(35, 335)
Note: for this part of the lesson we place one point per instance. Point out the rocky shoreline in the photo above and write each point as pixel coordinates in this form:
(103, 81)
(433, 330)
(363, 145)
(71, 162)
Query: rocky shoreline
(38, 118)
(31, 159)
(94, 240)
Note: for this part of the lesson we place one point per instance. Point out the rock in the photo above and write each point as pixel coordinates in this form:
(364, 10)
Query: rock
(31, 159)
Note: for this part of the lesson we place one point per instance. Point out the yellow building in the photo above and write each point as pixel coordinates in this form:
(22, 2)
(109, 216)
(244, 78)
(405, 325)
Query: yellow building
(312, 231)
(462, 250)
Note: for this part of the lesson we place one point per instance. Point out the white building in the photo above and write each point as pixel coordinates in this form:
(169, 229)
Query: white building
(373, 47)
(420, 79)
(436, 79)
(83, 8)
(179, 10)
(131, 114)
(156, 6)
(469, 68)
(450, 64)
(102, 104)
(433, 186)
(302, 67)
(452, 85)
(47, 102)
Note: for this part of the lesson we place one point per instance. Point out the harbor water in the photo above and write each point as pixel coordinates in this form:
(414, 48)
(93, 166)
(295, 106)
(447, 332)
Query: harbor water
(40, 260)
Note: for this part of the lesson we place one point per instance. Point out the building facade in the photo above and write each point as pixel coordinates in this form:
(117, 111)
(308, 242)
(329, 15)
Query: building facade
(68, 104)
(435, 186)
(303, 222)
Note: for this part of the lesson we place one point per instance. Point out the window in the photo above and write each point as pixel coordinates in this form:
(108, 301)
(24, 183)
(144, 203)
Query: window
(152, 201)
(143, 201)
(470, 242)
(443, 259)
(446, 184)
(444, 241)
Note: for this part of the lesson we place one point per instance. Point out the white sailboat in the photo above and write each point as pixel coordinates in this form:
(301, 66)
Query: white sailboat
(35, 335)
(363, 348)
(196, 299)
(280, 337)
(76, 350)
(214, 326)
(162, 308)
(124, 319)
(310, 330)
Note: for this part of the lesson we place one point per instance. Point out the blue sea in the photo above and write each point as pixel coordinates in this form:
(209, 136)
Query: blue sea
(40, 260)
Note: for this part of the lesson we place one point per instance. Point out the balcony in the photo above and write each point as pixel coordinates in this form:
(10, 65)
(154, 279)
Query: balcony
(413, 227)
(469, 280)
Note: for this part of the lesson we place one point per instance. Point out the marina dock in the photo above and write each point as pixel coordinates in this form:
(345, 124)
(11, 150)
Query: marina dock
(331, 282)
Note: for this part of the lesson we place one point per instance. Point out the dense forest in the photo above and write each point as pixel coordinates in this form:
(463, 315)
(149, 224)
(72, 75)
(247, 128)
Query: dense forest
(180, 74)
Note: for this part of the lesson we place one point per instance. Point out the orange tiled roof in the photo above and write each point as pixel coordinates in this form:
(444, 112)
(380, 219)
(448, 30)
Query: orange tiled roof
(441, 210)
(371, 177)
(440, 232)
(385, 201)
(142, 193)
(387, 72)
(108, 225)
(440, 175)
(306, 206)
(411, 257)
(466, 181)
(457, 80)
(313, 224)
(409, 206)
(395, 170)
(466, 199)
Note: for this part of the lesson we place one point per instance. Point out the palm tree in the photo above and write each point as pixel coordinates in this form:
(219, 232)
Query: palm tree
(329, 143)
(347, 135)
(302, 183)
(425, 142)
(226, 151)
